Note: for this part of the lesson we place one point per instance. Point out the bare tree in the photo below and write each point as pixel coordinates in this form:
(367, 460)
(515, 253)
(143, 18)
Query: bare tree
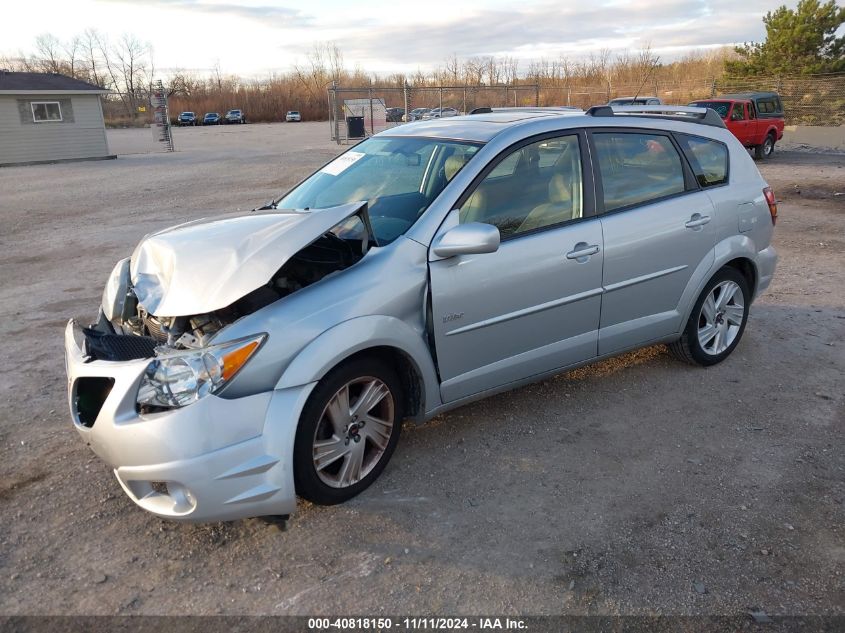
(91, 57)
(48, 51)
(72, 50)
(128, 64)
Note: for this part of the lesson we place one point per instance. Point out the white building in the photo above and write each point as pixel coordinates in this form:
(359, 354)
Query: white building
(46, 118)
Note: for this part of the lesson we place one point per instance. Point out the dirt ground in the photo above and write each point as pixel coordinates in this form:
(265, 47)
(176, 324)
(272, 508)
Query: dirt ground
(636, 486)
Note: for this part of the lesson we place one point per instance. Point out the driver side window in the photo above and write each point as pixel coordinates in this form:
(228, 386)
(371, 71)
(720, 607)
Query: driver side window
(738, 113)
(535, 186)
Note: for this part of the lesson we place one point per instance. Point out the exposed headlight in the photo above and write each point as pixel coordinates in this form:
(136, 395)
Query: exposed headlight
(179, 379)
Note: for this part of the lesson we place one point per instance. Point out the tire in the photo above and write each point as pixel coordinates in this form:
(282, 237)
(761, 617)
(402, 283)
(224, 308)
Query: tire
(766, 149)
(711, 334)
(377, 431)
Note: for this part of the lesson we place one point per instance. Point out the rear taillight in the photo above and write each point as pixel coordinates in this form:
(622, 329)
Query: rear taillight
(773, 205)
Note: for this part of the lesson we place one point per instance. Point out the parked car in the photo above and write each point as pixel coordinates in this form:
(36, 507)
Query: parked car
(755, 118)
(234, 116)
(211, 118)
(293, 116)
(187, 118)
(415, 115)
(395, 115)
(438, 113)
(241, 360)
(624, 101)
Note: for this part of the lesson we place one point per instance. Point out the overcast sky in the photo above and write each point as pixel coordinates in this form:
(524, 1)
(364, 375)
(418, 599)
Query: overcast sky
(254, 37)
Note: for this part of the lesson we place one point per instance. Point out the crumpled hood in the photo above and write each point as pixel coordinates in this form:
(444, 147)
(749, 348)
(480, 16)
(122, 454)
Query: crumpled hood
(207, 265)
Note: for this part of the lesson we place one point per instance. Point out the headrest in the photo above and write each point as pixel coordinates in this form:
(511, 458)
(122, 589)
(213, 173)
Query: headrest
(558, 190)
(453, 165)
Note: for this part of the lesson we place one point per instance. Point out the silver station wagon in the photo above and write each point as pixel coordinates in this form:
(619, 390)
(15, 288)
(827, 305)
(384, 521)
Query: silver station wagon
(242, 360)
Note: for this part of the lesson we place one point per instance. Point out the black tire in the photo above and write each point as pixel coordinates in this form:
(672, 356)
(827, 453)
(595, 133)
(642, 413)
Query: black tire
(688, 348)
(307, 482)
(766, 148)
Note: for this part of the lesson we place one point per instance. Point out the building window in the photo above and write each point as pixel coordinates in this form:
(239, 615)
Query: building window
(43, 111)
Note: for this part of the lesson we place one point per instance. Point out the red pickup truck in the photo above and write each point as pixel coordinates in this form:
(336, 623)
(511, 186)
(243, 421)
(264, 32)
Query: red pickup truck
(755, 118)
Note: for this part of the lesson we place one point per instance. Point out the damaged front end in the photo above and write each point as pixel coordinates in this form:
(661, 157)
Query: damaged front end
(158, 346)
(183, 285)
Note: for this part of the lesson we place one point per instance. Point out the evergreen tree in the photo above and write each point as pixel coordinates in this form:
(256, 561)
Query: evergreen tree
(798, 42)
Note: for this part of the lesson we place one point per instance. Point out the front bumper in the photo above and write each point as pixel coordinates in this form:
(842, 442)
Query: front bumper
(217, 459)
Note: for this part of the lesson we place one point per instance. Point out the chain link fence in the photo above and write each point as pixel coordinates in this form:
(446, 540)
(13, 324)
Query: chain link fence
(358, 112)
(810, 100)
(817, 100)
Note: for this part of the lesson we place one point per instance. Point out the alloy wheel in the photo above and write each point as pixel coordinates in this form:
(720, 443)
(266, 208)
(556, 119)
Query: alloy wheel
(353, 432)
(720, 319)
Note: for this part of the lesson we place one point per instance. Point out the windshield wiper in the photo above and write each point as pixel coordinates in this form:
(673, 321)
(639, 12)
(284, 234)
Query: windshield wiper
(270, 206)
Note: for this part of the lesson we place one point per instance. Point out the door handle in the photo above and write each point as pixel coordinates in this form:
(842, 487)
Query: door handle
(697, 221)
(582, 250)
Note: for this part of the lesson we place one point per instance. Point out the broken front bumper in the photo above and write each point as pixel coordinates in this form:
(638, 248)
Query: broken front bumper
(216, 459)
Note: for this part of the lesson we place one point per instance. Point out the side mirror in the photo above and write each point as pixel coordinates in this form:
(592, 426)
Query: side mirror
(467, 239)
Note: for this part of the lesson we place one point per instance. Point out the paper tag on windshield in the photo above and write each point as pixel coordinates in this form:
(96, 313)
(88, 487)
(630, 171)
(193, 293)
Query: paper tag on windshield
(342, 163)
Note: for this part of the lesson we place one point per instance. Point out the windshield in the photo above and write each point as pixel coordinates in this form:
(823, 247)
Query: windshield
(721, 107)
(398, 177)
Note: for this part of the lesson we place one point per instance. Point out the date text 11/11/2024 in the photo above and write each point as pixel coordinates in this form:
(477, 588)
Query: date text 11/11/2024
(415, 624)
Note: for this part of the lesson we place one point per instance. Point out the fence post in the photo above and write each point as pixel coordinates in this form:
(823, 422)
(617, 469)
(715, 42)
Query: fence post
(465, 100)
(336, 113)
(406, 95)
(713, 88)
(370, 96)
(536, 95)
(440, 90)
(329, 96)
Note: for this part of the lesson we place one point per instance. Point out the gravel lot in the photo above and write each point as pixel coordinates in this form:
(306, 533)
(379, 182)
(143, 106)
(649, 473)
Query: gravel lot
(636, 486)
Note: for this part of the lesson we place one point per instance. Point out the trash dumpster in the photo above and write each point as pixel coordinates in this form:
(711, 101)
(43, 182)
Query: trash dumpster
(354, 127)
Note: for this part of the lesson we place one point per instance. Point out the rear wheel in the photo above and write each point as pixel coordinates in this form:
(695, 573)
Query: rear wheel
(766, 148)
(348, 431)
(717, 321)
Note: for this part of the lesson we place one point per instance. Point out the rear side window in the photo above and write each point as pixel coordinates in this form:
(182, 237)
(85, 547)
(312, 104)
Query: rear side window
(768, 105)
(637, 167)
(708, 158)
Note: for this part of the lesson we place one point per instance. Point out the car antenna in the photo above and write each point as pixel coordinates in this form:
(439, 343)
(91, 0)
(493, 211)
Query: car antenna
(648, 74)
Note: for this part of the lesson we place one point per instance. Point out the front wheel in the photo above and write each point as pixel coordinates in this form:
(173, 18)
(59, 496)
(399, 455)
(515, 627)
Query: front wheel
(717, 321)
(766, 148)
(348, 430)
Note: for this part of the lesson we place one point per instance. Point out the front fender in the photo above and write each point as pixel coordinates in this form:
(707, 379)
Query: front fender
(355, 335)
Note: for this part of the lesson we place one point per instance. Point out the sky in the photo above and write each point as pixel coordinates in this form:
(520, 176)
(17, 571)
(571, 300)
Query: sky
(258, 37)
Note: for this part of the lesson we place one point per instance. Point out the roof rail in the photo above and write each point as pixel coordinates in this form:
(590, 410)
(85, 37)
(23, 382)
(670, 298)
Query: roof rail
(544, 109)
(705, 116)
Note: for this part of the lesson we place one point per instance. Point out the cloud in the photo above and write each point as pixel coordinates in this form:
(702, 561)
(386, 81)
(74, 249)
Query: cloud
(270, 15)
(553, 29)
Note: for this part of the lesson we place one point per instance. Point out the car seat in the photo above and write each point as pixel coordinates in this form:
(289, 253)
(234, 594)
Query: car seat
(559, 208)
